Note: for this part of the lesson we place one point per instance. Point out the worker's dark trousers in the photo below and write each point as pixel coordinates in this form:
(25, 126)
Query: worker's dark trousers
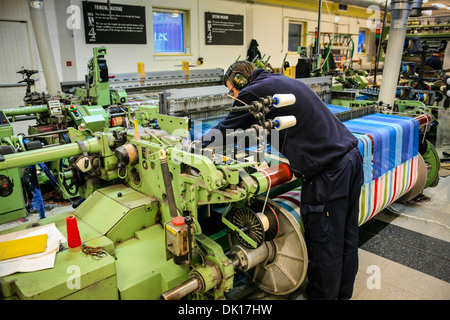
(330, 210)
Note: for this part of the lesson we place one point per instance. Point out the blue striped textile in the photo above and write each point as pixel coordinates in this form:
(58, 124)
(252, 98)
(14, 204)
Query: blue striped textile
(337, 109)
(410, 132)
(395, 139)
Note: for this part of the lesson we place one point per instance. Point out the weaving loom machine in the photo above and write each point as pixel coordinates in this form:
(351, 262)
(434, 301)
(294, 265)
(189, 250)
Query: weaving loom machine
(144, 211)
(393, 167)
(233, 219)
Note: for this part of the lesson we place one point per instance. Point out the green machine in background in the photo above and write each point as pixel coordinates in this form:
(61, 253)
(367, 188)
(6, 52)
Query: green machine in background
(91, 109)
(97, 89)
(12, 204)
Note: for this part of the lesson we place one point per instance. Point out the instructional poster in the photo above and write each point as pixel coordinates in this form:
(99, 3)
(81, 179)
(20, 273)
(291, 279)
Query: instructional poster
(224, 29)
(114, 23)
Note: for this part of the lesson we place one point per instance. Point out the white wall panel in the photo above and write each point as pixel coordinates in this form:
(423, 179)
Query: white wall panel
(15, 55)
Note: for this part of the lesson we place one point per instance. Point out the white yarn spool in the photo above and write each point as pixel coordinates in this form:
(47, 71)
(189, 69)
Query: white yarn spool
(264, 220)
(282, 100)
(284, 122)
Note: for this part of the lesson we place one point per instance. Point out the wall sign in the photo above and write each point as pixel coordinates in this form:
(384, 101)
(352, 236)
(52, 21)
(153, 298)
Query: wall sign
(116, 23)
(224, 29)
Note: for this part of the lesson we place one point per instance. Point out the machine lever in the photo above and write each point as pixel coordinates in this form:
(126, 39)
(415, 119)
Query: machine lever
(168, 183)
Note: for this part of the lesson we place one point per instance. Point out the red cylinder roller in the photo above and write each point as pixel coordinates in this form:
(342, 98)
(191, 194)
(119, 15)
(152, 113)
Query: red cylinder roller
(424, 119)
(278, 175)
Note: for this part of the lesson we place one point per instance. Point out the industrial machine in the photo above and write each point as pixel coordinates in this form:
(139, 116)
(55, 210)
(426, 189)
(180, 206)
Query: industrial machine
(108, 100)
(12, 205)
(165, 218)
(157, 185)
(93, 108)
(32, 97)
(407, 87)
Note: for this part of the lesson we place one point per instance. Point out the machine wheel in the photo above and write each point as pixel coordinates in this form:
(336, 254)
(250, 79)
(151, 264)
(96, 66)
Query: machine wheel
(285, 271)
(433, 165)
(70, 185)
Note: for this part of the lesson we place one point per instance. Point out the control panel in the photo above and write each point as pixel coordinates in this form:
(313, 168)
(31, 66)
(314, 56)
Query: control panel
(75, 113)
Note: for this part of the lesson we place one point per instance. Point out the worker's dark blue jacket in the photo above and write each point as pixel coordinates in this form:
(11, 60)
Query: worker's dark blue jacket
(434, 62)
(317, 140)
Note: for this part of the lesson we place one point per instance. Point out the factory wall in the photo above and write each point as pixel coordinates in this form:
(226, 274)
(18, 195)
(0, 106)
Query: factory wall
(266, 23)
(270, 28)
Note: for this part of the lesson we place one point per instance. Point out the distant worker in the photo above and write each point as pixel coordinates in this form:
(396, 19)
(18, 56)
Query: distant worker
(435, 61)
(324, 154)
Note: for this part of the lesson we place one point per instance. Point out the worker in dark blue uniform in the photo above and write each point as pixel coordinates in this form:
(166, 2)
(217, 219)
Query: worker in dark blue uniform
(435, 61)
(324, 154)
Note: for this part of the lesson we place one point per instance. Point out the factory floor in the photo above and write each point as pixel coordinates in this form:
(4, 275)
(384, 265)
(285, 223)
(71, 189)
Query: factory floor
(410, 243)
(404, 251)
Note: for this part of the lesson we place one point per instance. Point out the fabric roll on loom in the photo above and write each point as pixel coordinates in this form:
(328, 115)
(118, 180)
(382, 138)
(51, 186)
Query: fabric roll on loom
(389, 145)
(392, 163)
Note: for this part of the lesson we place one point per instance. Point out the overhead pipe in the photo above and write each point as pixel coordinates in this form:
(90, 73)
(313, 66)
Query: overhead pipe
(39, 22)
(362, 3)
(400, 11)
(417, 8)
(318, 29)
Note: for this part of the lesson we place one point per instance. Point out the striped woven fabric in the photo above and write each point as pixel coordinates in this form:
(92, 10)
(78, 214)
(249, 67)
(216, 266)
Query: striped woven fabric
(389, 145)
(291, 202)
(375, 195)
(381, 192)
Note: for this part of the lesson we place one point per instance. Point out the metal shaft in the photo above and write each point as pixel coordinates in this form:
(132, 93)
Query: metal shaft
(23, 159)
(43, 134)
(21, 111)
(319, 19)
(182, 290)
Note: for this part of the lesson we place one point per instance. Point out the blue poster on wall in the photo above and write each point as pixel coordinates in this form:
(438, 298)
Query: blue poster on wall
(168, 32)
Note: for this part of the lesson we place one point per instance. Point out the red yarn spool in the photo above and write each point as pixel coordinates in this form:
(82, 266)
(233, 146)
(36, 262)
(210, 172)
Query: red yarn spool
(73, 235)
(277, 175)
